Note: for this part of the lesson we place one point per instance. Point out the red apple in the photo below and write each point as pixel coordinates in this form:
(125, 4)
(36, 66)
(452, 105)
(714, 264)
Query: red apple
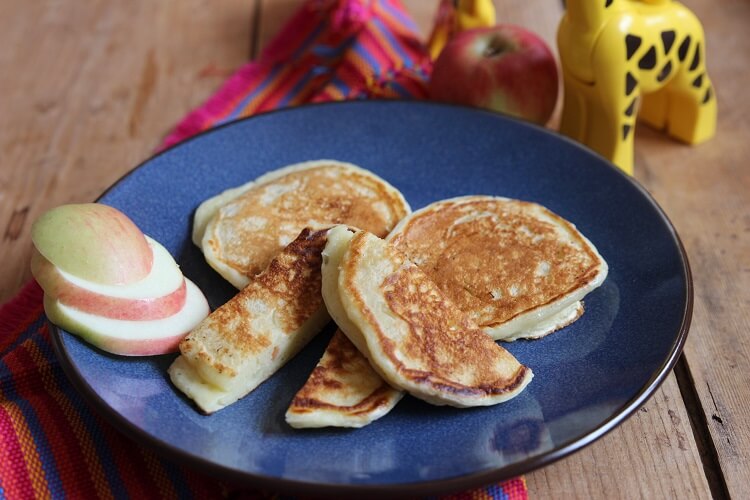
(505, 68)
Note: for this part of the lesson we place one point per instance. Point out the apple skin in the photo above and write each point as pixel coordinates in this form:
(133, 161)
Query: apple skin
(132, 338)
(160, 294)
(94, 242)
(70, 294)
(504, 68)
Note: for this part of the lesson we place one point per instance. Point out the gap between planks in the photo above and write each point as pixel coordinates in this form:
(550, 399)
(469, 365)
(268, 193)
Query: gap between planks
(701, 433)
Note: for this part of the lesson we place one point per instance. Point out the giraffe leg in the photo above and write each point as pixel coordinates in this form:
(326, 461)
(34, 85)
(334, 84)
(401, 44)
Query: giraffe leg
(610, 133)
(691, 108)
(654, 108)
(692, 114)
(612, 117)
(573, 118)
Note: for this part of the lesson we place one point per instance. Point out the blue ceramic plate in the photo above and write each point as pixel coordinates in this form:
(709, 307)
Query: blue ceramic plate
(588, 377)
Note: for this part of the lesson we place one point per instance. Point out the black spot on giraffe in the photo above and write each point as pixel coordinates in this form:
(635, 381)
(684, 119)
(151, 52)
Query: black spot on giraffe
(632, 43)
(625, 131)
(698, 82)
(648, 61)
(665, 71)
(631, 108)
(708, 95)
(630, 83)
(683, 50)
(667, 38)
(696, 57)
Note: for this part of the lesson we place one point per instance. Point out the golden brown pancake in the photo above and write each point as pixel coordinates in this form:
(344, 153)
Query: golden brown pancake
(415, 336)
(342, 391)
(249, 225)
(255, 333)
(517, 269)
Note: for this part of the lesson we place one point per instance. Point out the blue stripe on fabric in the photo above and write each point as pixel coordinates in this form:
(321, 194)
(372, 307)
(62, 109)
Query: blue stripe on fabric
(369, 58)
(91, 426)
(329, 52)
(235, 113)
(43, 448)
(395, 44)
(296, 89)
(405, 20)
(307, 41)
(34, 326)
(177, 478)
(340, 85)
(245, 101)
(400, 89)
(93, 429)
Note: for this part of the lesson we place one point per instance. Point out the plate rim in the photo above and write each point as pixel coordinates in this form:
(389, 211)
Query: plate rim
(472, 480)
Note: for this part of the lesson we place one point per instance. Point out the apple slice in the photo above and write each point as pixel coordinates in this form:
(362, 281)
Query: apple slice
(160, 294)
(132, 338)
(94, 242)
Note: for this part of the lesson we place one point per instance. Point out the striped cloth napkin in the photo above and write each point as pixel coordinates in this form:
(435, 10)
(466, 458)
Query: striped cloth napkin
(51, 443)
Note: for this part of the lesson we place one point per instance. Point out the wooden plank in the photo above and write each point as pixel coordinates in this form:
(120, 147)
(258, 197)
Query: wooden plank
(705, 190)
(651, 455)
(88, 90)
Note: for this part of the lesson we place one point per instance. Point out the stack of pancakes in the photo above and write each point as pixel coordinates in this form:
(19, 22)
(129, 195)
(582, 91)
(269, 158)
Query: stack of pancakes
(419, 298)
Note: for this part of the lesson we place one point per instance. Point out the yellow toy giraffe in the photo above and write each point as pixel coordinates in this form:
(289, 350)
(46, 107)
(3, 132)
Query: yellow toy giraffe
(615, 51)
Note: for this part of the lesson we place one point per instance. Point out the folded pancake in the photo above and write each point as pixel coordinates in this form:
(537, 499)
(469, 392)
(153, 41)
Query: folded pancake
(255, 333)
(242, 229)
(517, 269)
(343, 390)
(414, 336)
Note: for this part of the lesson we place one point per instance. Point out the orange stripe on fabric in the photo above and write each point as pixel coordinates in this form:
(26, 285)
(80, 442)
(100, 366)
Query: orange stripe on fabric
(382, 43)
(410, 43)
(84, 439)
(283, 87)
(290, 29)
(14, 484)
(158, 474)
(254, 105)
(129, 463)
(57, 431)
(236, 100)
(330, 93)
(34, 468)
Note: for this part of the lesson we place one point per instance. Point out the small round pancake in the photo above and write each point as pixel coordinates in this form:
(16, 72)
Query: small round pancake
(260, 218)
(515, 267)
(416, 338)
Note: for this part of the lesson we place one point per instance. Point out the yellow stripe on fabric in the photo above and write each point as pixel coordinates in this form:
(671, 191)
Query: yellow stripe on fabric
(28, 449)
(158, 474)
(334, 93)
(75, 423)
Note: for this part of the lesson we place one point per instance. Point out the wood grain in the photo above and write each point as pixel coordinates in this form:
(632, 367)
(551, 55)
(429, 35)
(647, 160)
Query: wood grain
(89, 89)
(705, 190)
(651, 455)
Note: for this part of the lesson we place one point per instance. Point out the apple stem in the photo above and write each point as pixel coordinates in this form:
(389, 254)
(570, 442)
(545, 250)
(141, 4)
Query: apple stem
(496, 46)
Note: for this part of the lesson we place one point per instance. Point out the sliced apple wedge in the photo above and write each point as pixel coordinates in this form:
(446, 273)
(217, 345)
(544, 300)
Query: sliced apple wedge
(132, 338)
(94, 242)
(161, 293)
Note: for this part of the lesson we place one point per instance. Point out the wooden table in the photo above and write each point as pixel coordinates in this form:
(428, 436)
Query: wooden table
(88, 90)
